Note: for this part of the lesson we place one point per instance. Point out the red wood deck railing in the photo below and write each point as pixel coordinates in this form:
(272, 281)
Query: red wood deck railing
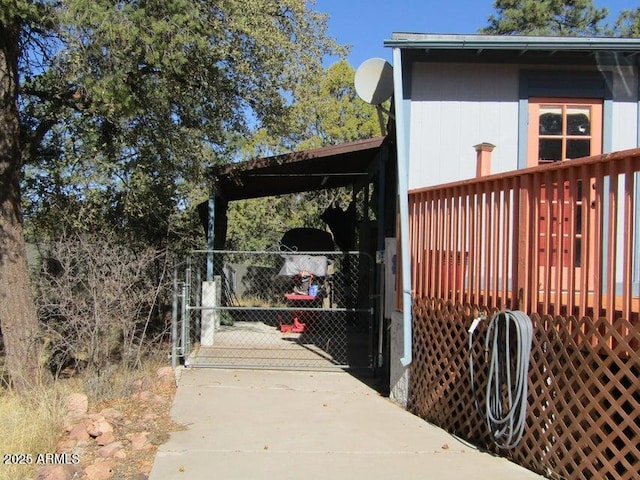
(557, 239)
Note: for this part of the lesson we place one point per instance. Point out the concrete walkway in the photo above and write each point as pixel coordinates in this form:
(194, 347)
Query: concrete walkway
(248, 424)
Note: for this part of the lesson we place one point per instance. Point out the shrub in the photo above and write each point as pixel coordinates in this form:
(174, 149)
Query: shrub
(96, 300)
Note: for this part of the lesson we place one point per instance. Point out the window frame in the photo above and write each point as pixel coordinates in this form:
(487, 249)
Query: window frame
(596, 105)
(563, 83)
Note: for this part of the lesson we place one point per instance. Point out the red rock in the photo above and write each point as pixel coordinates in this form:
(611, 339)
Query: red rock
(110, 450)
(79, 432)
(105, 439)
(139, 441)
(66, 445)
(98, 427)
(165, 371)
(140, 476)
(166, 376)
(145, 395)
(120, 454)
(56, 472)
(100, 470)
(77, 405)
(111, 414)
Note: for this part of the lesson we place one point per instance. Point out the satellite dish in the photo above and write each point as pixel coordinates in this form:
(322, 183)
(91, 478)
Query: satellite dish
(374, 81)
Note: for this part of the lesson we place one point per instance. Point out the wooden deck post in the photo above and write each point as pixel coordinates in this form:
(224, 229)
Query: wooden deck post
(523, 248)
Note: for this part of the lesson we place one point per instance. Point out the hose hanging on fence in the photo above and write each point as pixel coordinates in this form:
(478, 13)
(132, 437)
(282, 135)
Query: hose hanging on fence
(508, 342)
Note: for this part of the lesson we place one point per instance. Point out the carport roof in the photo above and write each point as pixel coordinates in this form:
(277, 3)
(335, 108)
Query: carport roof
(304, 171)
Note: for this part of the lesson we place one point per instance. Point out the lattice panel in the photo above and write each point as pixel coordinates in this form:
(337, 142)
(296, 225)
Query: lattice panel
(440, 386)
(584, 393)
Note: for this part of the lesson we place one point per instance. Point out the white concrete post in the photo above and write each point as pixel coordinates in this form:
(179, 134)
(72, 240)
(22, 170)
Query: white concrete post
(210, 319)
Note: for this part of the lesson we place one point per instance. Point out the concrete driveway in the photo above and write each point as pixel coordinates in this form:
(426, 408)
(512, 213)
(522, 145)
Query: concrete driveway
(260, 424)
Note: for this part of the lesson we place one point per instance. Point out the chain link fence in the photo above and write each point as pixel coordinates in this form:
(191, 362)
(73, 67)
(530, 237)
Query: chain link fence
(283, 309)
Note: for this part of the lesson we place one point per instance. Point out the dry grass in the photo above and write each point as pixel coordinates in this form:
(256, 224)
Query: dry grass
(113, 382)
(257, 301)
(30, 425)
(33, 423)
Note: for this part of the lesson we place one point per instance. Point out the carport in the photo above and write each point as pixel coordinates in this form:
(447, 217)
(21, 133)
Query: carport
(353, 302)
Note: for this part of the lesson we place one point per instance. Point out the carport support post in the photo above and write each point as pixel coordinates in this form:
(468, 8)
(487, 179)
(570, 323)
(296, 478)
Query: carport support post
(209, 319)
(210, 236)
(380, 246)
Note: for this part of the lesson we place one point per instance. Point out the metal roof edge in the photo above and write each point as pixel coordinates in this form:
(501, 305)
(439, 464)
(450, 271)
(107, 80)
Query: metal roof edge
(509, 42)
(358, 145)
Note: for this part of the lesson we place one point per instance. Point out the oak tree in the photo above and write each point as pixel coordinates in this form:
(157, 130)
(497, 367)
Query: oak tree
(113, 110)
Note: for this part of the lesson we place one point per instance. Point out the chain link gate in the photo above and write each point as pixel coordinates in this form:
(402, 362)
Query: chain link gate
(283, 309)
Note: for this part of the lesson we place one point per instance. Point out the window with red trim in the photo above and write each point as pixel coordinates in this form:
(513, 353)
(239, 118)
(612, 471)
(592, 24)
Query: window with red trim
(562, 129)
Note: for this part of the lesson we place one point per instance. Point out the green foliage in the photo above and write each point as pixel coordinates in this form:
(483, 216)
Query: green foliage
(329, 112)
(130, 102)
(546, 17)
(627, 24)
(324, 112)
(258, 224)
(559, 17)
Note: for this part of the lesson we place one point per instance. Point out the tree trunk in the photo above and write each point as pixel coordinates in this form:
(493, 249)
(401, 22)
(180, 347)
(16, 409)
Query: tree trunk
(18, 320)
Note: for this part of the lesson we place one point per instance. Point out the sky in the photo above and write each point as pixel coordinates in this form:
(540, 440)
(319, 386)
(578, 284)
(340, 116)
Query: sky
(366, 24)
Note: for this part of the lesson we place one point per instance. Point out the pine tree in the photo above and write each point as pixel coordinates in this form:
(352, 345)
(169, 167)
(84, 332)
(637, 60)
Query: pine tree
(546, 17)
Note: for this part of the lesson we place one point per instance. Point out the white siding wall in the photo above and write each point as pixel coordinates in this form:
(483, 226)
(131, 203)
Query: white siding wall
(624, 135)
(624, 128)
(455, 107)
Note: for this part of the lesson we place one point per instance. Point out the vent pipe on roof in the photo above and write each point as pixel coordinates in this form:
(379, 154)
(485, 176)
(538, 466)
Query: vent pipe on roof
(483, 158)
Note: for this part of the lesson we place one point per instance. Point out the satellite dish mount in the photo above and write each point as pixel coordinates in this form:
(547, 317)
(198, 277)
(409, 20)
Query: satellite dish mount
(374, 85)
